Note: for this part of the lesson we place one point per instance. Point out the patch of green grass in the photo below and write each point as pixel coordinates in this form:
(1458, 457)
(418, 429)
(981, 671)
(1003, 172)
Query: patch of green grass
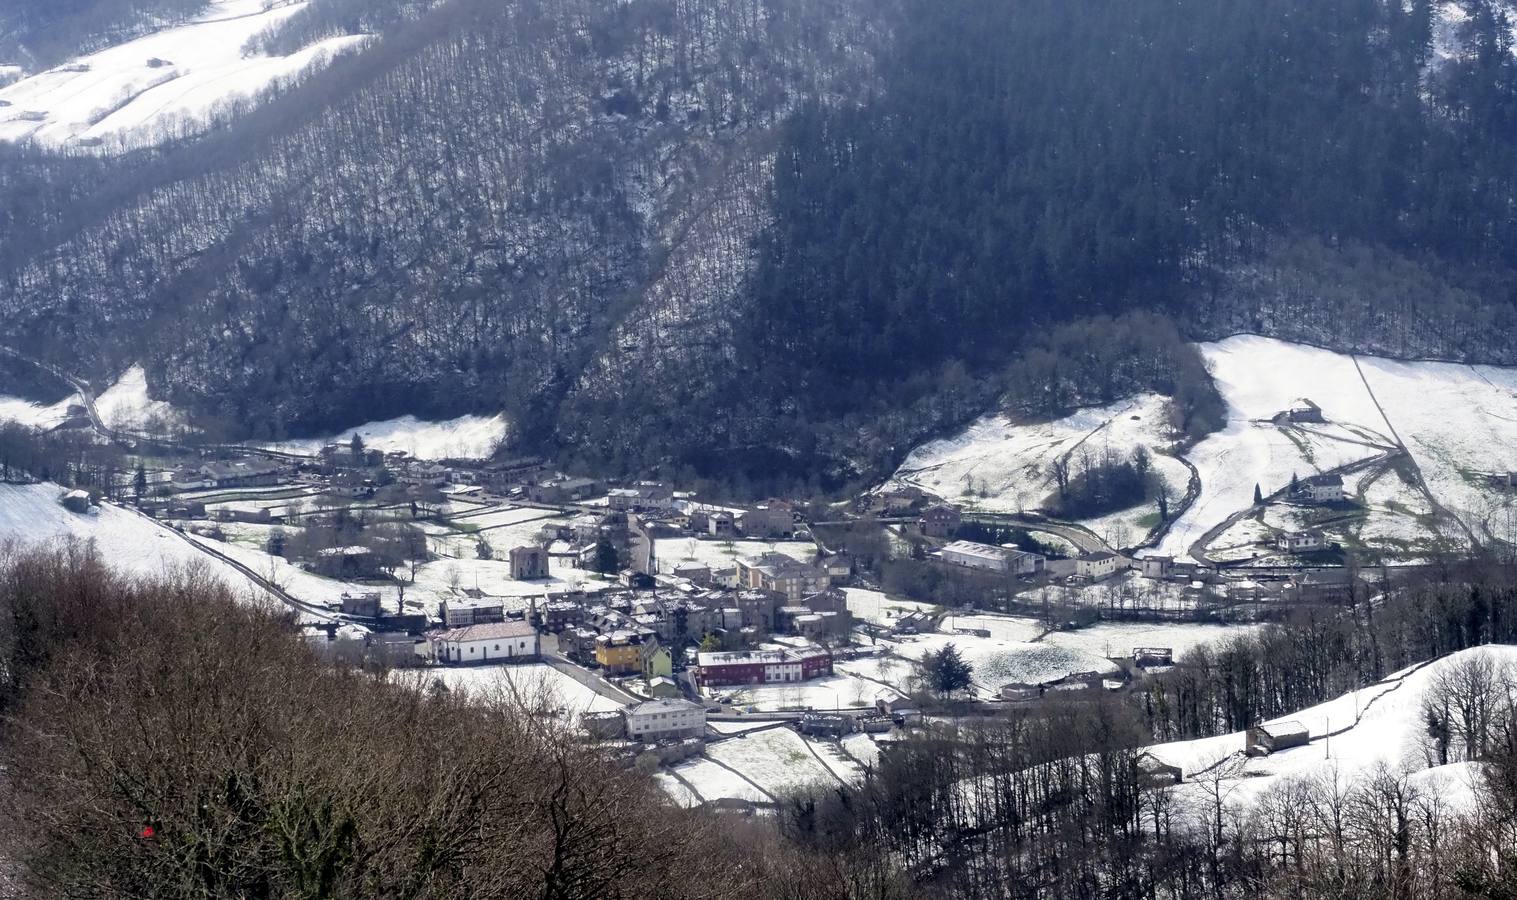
(1148, 521)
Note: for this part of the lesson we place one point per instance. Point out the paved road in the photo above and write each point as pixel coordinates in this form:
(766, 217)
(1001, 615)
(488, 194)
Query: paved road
(87, 394)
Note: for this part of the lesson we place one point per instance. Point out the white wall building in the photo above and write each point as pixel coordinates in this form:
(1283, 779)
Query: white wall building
(991, 558)
(494, 642)
(1096, 566)
(660, 719)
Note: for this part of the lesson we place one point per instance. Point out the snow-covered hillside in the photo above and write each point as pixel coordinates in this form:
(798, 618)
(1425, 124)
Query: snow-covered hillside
(31, 514)
(1352, 736)
(157, 86)
(999, 466)
(466, 437)
(1456, 423)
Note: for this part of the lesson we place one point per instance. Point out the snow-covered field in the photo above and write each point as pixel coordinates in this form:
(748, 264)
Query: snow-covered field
(1458, 423)
(1378, 725)
(875, 607)
(143, 91)
(466, 437)
(30, 514)
(126, 405)
(34, 415)
(529, 682)
(722, 554)
(1000, 662)
(843, 690)
(999, 466)
(1119, 638)
(777, 760)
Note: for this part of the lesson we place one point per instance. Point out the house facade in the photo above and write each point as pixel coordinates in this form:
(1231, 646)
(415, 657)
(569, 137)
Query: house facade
(989, 558)
(657, 720)
(495, 642)
(762, 666)
(1096, 566)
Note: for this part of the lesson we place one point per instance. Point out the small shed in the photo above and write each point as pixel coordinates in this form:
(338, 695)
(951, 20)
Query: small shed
(77, 501)
(1266, 739)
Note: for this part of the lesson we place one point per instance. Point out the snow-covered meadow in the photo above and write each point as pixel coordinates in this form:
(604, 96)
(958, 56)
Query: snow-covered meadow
(172, 80)
(1374, 726)
(465, 437)
(31, 515)
(1458, 423)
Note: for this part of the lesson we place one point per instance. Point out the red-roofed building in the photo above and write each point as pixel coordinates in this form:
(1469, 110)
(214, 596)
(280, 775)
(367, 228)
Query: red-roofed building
(492, 642)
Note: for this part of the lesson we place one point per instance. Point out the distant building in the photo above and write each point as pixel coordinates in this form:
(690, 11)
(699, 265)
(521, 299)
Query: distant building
(242, 473)
(768, 520)
(353, 561)
(697, 572)
(1155, 772)
(495, 642)
(656, 660)
(1262, 740)
(1096, 566)
(76, 501)
(663, 687)
(1156, 566)
(1321, 489)
(1300, 541)
(1153, 657)
(940, 521)
(1304, 410)
(782, 574)
(658, 720)
(762, 666)
(462, 613)
(529, 563)
(564, 490)
(364, 606)
(645, 496)
(620, 652)
(990, 558)
(721, 524)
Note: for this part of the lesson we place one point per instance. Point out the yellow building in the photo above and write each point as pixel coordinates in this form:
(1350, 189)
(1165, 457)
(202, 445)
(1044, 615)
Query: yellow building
(619, 653)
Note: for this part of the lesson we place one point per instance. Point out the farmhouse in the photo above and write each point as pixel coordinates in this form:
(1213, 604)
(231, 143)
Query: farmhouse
(939, 521)
(773, 519)
(1096, 566)
(487, 643)
(1301, 541)
(762, 666)
(1262, 740)
(1304, 410)
(991, 559)
(1321, 489)
(353, 561)
(643, 496)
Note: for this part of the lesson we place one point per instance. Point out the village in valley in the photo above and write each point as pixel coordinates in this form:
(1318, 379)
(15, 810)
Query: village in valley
(738, 649)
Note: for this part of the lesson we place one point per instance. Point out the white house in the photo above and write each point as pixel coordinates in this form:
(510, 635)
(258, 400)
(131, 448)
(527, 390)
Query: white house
(492, 642)
(1323, 489)
(990, 558)
(1300, 541)
(659, 719)
(1096, 566)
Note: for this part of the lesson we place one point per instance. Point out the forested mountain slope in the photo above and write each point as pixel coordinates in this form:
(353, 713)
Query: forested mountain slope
(741, 234)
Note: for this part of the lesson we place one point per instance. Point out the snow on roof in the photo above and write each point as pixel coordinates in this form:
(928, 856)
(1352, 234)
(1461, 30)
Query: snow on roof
(486, 632)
